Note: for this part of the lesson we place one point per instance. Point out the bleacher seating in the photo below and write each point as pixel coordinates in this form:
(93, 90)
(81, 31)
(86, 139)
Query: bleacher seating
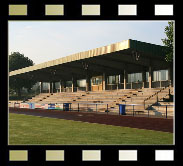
(88, 100)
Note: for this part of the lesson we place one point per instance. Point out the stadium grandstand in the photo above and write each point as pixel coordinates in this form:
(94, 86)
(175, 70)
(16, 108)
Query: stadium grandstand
(130, 72)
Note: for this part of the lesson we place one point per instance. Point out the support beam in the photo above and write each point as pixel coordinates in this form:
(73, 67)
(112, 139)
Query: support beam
(87, 83)
(144, 78)
(41, 87)
(125, 78)
(104, 81)
(170, 75)
(150, 76)
(60, 86)
(63, 85)
(74, 84)
(54, 89)
(50, 87)
(117, 80)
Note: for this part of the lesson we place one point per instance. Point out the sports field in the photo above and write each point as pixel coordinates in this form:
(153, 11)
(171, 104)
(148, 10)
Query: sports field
(26, 129)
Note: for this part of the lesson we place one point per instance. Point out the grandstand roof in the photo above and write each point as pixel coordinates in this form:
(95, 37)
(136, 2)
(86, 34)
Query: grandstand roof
(132, 55)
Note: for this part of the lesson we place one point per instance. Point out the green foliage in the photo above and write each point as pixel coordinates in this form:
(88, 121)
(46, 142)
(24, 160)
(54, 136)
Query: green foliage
(169, 41)
(18, 61)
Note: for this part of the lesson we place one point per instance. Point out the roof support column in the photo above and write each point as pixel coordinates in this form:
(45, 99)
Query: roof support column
(87, 82)
(74, 84)
(50, 87)
(60, 86)
(41, 87)
(63, 86)
(104, 81)
(144, 78)
(117, 80)
(121, 80)
(125, 78)
(170, 75)
(85, 67)
(54, 89)
(150, 76)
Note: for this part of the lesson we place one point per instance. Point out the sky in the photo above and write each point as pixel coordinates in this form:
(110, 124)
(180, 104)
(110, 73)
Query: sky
(43, 41)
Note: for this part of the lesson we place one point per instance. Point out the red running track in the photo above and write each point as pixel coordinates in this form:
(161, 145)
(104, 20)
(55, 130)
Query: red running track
(158, 124)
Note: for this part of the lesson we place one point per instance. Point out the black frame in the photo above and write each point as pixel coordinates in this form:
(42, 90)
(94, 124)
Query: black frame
(109, 153)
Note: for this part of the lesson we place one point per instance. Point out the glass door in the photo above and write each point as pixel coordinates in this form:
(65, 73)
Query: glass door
(97, 83)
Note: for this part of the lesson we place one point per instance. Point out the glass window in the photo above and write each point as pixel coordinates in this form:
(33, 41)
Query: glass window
(45, 85)
(134, 77)
(160, 75)
(147, 76)
(164, 75)
(112, 80)
(68, 83)
(57, 85)
(117, 79)
(97, 80)
(81, 83)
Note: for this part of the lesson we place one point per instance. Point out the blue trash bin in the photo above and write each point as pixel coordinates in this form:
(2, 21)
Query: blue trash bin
(66, 106)
(32, 105)
(122, 110)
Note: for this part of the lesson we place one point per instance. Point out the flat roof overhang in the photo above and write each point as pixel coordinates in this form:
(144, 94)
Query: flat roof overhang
(111, 59)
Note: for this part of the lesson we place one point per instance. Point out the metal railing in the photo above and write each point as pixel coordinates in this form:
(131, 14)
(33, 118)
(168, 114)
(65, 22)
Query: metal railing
(155, 95)
(95, 108)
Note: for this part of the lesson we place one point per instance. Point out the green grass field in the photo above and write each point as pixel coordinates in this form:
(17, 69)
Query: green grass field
(24, 129)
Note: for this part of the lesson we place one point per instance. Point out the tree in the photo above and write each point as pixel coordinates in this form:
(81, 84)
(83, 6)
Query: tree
(168, 42)
(18, 61)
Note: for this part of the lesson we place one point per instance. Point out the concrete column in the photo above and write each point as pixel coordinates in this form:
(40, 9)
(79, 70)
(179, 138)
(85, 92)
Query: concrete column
(117, 82)
(41, 87)
(50, 87)
(144, 78)
(60, 86)
(150, 76)
(125, 78)
(63, 85)
(121, 78)
(104, 81)
(54, 90)
(170, 75)
(74, 84)
(87, 83)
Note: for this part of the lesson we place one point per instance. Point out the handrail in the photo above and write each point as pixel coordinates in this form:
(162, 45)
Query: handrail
(155, 95)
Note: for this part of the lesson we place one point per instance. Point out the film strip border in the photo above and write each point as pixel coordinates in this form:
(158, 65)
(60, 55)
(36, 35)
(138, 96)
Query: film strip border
(86, 9)
(91, 10)
(115, 156)
(41, 155)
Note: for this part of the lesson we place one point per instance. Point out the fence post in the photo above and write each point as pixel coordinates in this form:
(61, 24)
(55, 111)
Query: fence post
(144, 105)
(78, 107)
(148, 110)
(96, 107)
(166, 111)
(107, 109)
(119, 109)
(133, 110)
